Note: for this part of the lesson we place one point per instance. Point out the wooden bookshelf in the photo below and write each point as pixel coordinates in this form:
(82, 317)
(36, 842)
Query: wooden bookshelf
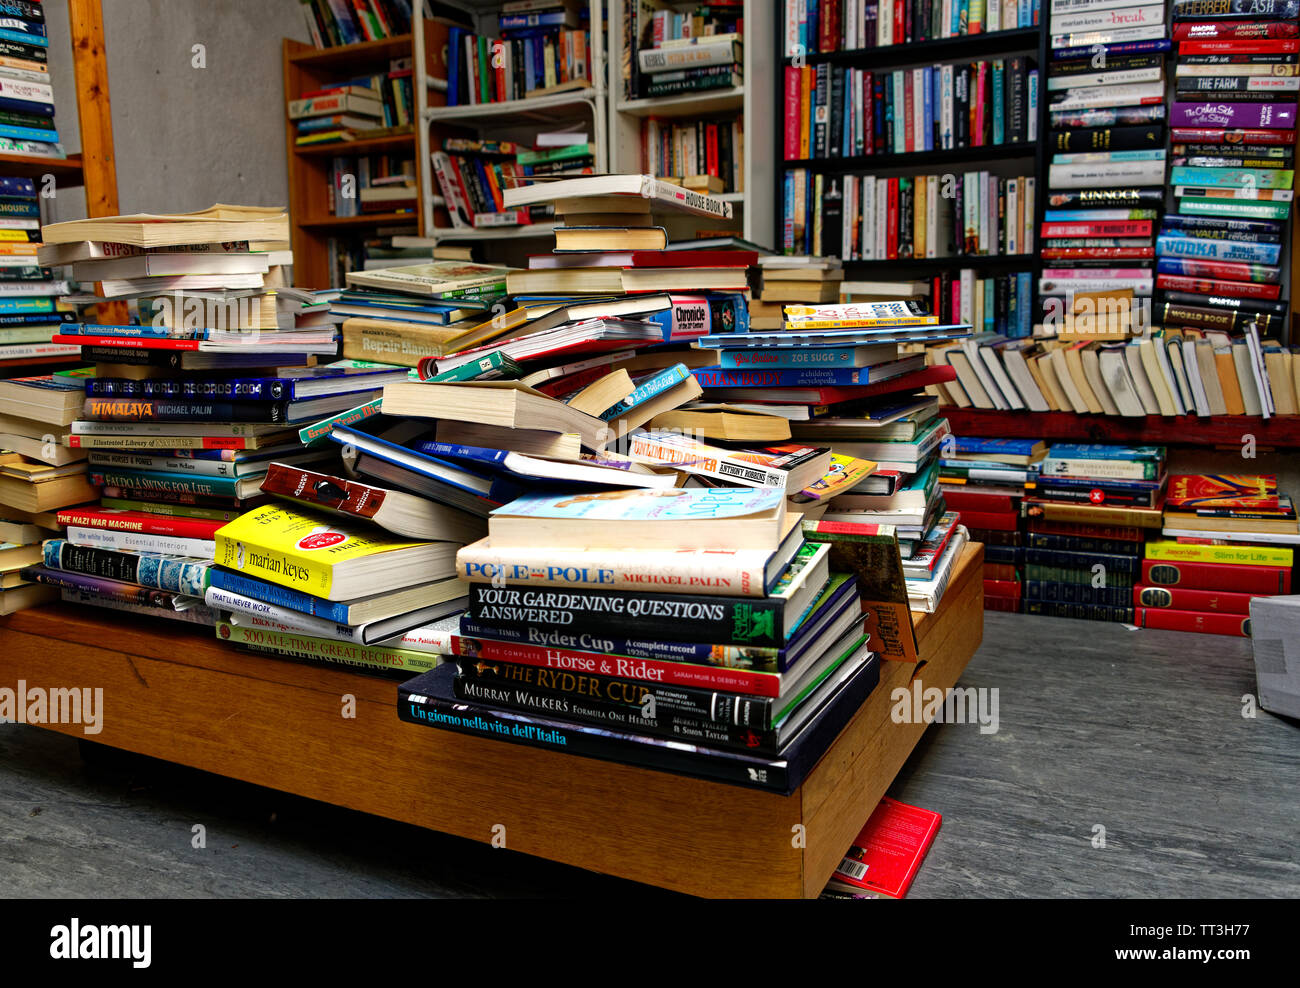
(1185, 430)
(66, 171)
(276, 723)
(307, 68)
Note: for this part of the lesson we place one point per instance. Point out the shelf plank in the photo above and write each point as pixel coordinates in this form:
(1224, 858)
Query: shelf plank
(687, 104)
(977, 261)
(549, 107)
(913, 159)
(365, 219)
(365, 145)
(962, 46)
(65, 170)
(1187, 430)
(372, 51)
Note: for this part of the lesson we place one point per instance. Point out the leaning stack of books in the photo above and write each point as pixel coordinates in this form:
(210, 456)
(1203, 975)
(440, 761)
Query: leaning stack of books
(1220, 270)
(30, 308)
(688, 52)
(39, 474)
(985, 480)
(1084, 529)
(1227, 538)
(26, 95)
(345, 111)
(1107, 135)
(689, 630)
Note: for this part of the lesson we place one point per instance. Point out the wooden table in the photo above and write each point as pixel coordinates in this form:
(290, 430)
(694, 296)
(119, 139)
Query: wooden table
(173, 691)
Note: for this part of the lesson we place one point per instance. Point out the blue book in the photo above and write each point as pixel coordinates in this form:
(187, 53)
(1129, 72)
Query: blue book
(20, 305)
(650, 387)
(22, 188)
(475, 492)
(1004, 447)
(24, 38)
(1095, 451)
(186, 483)
(1218, 250)
(999, 83)
(1024, 304)
(15, 133)
(806, 377)
(454, 46)
(521, 22)
(787, 339)
(290, 384)
(33, 107)
(273, 593)
(816, 356)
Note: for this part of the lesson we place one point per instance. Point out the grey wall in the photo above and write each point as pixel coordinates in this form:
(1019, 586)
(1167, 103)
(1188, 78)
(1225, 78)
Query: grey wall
(185, 137)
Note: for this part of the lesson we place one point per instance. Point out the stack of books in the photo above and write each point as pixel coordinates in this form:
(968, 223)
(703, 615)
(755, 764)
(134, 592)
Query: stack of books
(787, 279)
(352, 110)
(377, 183)
(30, 309)
(1084, 529)
(1234, 127)
(1107, 117)
(186, 405)
(811, 28)
(473, 176)
(331, 23)
(543, 49)
(398, 315)
(704, 155)
(1227, 538)
(985, 480)
(26, 95)
(39, 474)
(695, 631)
(688, 52)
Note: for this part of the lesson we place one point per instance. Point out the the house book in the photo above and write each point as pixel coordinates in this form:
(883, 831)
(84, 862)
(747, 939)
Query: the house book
(659, 195)
(325, 556)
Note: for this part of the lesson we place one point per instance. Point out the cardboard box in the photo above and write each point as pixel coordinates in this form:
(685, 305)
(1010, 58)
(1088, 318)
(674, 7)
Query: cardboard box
(1275, 635)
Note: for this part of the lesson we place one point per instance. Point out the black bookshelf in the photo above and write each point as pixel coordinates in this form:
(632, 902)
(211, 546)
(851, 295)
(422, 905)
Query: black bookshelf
(916, 52)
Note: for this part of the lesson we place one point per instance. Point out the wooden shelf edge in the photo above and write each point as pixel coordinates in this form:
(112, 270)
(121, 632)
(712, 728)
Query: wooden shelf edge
(381, 48)
(1188, 430)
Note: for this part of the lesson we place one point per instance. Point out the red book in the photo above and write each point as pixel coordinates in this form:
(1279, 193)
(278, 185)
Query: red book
(1001, 588)
(1000, 571)
(1213, 624)
(1233, 270)
(997, 521)
(1265, 581)
(1011, 605)
(868, 113)
(136, 342)
(1241, 135)
(1203, 286)
(645, 259)
(1107, 228)
(1186, 599)
(791, 113)
(1114, 532)
(1238, 46)
(1117, 253)
(830, 395)
(887, 853)
(1198, 30)
(891, 221)
(963, 499)
(139, 521)
(711, 149)
(909, 108)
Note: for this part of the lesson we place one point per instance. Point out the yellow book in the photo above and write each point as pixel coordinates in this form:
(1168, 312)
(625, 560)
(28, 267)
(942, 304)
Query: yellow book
(1245, 555)
(17, 235)
(264, 636)
(327, 557)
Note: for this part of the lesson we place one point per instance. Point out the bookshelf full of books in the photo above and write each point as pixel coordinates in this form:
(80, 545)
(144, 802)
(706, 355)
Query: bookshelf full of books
(689, 98)
(909, 143)
(524, 99)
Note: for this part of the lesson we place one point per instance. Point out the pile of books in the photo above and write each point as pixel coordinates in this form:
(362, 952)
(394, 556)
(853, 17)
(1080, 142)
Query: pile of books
(331, 23)
(1226, 539)
(26, 95)
(807, 280)
(1234, 129)
(1107, 117)
(705, 155)
(355, 109)
(985, 480)
(543, 49)
(377, 183)
(1085, 529)
(39, 474)
(674, 52)
(833, 112)
(30, 308)
(186, 405)
(811, 28)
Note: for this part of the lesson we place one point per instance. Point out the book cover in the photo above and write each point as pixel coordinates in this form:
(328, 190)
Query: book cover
(1234, 555)
(1243, 492)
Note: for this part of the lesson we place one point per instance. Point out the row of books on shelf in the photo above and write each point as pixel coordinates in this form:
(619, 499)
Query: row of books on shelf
(669, 52)
(1172, 373)
(473, 175)
(526, 62)
(377, 183)
(26, 95)
(31, 311)
(833, 112)
(813, 26)
(869, 217)
(331, 23)
(357, 108)
(704, 147)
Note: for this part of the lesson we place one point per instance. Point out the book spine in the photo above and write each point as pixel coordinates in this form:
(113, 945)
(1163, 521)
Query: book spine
(728, 668)
(1089, 612)
(694, 617)
(169, 545)
(185, 528)
(294, 600)
(130, 593)
(1236, 555)
(177, 575)
(632, 719)
(1114, 563)
(1263, 580)
(1080, 543)
(1077, 593)
(1186, 599)
(1174, 620)
(373, 658)
(166, 482)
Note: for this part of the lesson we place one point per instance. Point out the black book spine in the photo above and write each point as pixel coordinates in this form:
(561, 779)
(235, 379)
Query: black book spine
(961, 107)
(1081, 543)
(1129, 196)
(693, 703)
(1109, 138)
(1016, 129)
(821, 112)
(691, 617)
(832, 219)
(890, 105)
(1085, 561)
(1002, 294)
(1090, 612)
(906, 221)
(18, 49)
(1077, 593)
(180, 497)
(1254, 305)
(141, 409)
(837, 105)
(1087, 495)
(104, 563)
(617, 717)
(28, 11)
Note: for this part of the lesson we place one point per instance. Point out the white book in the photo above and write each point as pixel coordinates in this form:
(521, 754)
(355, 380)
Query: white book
(1119, 77)
(1246, 379)
(1268, 408)
(1013, 210)
(1027, 234)
(1173, 347)
(1013, 358)
(1115, 37)
(932, 218)
(882, 212)
(1071, 6)
(970, 382)
(1094, 97)
(1115, 374)
(168, 545)
(946, 102)
(1192, 371)
(993, 16)
(1141, 383)
(1209, 373)
(885, 24)
(967, 296)
(1092, 371)
(991, 355)
(1165, 366)
(1066, 383)
(1106, 175)
(972, 350)
(920, 83)
(1108, 19)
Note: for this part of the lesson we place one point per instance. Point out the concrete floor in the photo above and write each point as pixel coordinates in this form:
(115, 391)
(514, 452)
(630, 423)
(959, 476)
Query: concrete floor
(1137, 732)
